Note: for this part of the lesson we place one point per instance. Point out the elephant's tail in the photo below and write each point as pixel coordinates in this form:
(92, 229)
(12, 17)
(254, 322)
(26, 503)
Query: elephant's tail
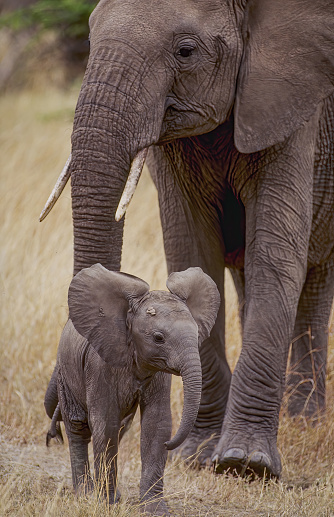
(55, 430)
(51, 395)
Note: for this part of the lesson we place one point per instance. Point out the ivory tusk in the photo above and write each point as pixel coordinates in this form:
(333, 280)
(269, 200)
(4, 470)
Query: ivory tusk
(57, 190)
(131, 183)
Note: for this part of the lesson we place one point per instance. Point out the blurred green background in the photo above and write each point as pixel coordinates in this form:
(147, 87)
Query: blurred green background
(43, 38)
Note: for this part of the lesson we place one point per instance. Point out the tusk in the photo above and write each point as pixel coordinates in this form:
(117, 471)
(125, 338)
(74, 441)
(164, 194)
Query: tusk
(58, 188)
(131, 183)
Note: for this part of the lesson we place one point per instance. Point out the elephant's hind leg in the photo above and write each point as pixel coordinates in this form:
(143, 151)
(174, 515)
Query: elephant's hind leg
(308, 356)
(79, 437)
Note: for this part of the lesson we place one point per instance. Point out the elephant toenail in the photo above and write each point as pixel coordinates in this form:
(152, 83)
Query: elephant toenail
(260, 458)
(236, 454)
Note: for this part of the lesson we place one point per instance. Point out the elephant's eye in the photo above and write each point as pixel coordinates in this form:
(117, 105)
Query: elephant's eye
(158, 337)
(185, 51)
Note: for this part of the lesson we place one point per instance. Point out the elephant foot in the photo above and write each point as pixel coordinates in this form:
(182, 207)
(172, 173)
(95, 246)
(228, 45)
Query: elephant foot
(247, 457)
(198, 447)
(113, 498)
(158, 508)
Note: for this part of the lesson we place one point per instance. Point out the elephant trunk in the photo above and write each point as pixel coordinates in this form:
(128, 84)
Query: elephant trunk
(112, 125)
(191, 373)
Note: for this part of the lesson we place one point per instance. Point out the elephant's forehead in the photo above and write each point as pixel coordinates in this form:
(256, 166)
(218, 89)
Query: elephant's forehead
(151, 17)
(169, 7)
(162, 303)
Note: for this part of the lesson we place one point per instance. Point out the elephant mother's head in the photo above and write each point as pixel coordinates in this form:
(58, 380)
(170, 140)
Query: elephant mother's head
(157, 71)
(164, 70)
(168, 69)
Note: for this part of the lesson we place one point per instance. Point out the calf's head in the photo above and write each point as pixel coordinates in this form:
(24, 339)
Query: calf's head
(113, 309)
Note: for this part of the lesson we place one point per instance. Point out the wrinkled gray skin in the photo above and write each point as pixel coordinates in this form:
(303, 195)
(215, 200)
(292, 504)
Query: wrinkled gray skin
(235, 100)
(116, 352)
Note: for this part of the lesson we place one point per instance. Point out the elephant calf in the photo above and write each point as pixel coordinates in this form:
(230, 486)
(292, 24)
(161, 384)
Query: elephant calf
(119, 345)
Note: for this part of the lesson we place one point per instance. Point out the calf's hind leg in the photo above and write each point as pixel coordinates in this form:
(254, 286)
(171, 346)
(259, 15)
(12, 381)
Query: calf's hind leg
(79, 437)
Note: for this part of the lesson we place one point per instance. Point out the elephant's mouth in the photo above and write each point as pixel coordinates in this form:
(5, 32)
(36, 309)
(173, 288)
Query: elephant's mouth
(176, 112)
(159, 364)
(171, 370)
(182, 120)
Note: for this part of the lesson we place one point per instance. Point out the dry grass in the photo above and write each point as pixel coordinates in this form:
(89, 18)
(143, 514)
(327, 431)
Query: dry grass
(36, 268)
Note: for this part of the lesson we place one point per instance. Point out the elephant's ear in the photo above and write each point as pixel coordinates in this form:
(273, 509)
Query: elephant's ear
(201, 295)
(287, 69)
(98, 302)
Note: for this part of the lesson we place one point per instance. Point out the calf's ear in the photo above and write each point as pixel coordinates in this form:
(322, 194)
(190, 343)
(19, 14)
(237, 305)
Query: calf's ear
(98, 301)
(201, 295)
(286, 71)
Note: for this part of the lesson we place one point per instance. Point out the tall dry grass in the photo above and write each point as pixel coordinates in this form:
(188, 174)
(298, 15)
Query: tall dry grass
(36, 268)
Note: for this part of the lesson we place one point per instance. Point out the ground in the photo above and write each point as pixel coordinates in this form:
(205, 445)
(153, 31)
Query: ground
(36, 269)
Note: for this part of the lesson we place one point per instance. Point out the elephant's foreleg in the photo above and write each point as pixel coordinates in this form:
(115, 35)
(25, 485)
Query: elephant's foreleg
(278, 225)
(156, 424)
(105, 426)
(307, 372)
(187, 244)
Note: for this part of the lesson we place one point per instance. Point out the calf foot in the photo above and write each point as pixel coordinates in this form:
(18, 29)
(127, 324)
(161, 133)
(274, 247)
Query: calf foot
(245, 456)
(198, 447)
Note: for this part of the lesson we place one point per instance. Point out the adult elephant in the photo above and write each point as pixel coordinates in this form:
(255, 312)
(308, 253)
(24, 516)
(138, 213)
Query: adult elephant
(235, 101)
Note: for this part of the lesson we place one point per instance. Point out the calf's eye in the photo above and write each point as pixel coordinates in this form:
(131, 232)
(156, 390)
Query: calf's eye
(158, 337)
